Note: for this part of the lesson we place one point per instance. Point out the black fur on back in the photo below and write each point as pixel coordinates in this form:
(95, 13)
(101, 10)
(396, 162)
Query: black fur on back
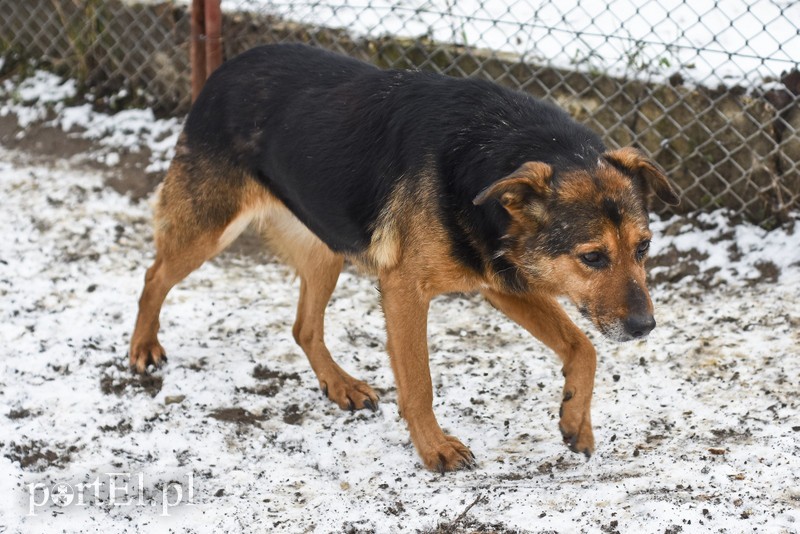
(330, 136)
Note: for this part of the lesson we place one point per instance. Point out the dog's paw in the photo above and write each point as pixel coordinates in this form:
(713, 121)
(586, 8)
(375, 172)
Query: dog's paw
(145, 354)
(448, 454)
(349, 393)
(576, 427)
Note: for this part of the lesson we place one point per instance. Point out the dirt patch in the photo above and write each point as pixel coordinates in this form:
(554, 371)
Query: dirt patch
(130, 178)
(263, 373)
(768, 272)
(197, 365)
(121, 428)
(41, 140)
(269, 390)
(49, 143)
(275, 381)
(679, 265)
(473, 527)
(118, 383)
(21, 413)
(292, 415)
(39, 456)
(236, 415)
(727, 436)
(463, 523)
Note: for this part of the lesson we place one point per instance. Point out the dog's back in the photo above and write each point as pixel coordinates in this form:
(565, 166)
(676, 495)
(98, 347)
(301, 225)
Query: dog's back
(331, 136)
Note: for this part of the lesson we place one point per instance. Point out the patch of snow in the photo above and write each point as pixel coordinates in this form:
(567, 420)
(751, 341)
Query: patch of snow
(75, 117)
(111, 159)
(733, 252)
(44, 87)
(129, 130)
(41, 97)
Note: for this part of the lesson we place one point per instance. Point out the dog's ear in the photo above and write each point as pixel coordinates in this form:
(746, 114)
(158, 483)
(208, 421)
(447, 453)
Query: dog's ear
(648, 175)
(521, 188)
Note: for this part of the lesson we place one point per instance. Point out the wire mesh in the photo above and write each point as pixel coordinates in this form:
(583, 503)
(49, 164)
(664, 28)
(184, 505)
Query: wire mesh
(711, 90)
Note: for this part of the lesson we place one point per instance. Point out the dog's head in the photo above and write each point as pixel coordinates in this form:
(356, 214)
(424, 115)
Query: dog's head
(584, 233)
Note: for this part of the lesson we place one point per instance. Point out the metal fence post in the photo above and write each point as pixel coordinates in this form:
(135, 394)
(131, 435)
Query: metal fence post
(206, 49)
(198, 47)
(213, 22)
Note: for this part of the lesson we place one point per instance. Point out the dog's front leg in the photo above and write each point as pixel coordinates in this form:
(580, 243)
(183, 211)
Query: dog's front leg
(406, 311)
(543, 317)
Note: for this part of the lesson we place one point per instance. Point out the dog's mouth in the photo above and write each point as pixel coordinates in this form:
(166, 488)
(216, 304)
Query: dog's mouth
(613, 330)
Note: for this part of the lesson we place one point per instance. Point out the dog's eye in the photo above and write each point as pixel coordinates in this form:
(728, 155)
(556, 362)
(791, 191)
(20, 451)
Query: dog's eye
(642, 249)
(595, 259)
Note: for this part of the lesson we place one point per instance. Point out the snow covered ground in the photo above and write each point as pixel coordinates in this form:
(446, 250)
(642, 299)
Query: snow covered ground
(46, 98)
(698, 427)
(709, 42)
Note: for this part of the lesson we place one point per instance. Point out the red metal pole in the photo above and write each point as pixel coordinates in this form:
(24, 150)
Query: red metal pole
(197, 53)
(213, 36)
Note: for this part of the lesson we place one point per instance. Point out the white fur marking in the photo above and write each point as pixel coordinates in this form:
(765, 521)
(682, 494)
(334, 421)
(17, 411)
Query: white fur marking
(234, 229)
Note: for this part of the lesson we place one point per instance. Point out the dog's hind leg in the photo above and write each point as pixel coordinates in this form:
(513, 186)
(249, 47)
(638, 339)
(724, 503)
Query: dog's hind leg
(197, 214)
(166, 271)
(318, 269)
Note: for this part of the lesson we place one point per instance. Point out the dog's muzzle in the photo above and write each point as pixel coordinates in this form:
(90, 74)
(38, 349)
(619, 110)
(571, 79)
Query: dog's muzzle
(639, 325)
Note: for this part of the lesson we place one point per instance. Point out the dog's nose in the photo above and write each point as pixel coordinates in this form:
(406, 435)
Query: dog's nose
(639, 324)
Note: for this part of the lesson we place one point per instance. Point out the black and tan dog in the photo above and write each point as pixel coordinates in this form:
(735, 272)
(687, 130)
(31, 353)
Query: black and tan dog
(433, 184)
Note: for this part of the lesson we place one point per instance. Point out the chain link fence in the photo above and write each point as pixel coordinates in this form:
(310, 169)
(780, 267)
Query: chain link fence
(712, 92)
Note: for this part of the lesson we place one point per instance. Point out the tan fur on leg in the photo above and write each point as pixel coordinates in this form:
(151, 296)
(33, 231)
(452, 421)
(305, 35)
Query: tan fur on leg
(406, 311)
(187, 233)
(543, 317)
(318, 268)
